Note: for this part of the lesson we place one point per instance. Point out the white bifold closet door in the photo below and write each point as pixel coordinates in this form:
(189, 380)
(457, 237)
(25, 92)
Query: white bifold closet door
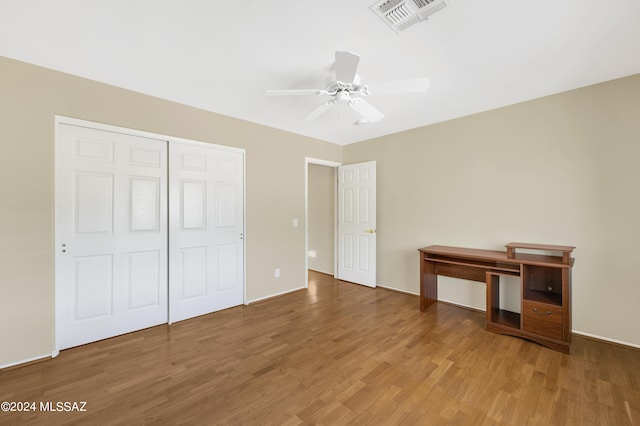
(206, 211)
(111, 234)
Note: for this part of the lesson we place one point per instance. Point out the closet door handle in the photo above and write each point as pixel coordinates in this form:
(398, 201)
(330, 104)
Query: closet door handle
(542, 314)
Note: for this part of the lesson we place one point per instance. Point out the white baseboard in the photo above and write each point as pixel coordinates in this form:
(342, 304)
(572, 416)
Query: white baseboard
(398, 290)
(321, 272)
(605, 339)
(24, 361)
(248, 302)
(462, 305)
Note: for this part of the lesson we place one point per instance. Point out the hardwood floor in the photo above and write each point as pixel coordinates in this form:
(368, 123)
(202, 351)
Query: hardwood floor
(337, 353)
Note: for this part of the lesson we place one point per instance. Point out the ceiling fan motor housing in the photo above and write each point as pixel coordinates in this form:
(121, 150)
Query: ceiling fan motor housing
(343, 96)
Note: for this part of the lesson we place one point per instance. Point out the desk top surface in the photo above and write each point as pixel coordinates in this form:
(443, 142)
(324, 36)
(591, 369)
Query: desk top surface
(494, 256)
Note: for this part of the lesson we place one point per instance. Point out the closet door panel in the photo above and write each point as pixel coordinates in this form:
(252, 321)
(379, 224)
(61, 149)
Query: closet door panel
(111, 234)
(206, 206)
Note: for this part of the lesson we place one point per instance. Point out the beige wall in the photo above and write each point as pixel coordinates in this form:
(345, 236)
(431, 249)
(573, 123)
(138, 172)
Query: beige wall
(321, 217)
(30, 97)
(563, 169)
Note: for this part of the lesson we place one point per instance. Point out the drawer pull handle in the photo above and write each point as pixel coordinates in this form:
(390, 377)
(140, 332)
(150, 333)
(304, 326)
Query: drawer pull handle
(542, 314)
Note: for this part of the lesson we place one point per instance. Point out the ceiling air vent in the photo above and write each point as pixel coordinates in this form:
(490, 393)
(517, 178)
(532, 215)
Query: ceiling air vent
(401, 14)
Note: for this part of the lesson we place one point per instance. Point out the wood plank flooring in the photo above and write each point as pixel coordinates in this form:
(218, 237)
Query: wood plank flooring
(337, 353)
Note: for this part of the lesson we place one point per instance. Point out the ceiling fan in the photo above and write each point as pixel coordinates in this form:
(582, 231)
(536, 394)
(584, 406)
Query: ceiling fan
(347, 90)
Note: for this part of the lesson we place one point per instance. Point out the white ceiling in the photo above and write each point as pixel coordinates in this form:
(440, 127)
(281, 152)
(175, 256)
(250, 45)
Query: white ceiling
(221, 55)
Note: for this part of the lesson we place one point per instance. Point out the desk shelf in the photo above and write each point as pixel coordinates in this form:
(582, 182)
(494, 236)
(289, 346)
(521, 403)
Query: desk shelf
(544, 297)
(543, 284)
(497, 314)
(505, 267)
(504, 318)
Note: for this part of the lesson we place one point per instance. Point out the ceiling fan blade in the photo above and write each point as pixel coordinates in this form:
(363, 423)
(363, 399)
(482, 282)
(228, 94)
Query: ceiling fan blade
(296, 92)
(318, 111)
(414, 85)
(346, 66)
(366, 110)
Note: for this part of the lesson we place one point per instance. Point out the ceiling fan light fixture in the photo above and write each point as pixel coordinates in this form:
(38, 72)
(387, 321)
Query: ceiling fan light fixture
(346, 88)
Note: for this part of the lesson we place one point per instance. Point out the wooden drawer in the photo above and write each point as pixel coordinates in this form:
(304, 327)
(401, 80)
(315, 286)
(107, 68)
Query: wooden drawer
(542, 319)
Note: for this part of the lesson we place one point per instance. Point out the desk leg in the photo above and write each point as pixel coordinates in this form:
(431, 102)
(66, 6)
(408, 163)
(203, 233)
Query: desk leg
(428, 284)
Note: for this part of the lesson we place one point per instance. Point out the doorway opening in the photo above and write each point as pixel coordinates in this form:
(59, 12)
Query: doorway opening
(353, 223)
(320, 216)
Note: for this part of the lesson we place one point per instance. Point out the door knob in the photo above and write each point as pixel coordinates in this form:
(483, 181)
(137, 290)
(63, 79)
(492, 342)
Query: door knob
(370, 231)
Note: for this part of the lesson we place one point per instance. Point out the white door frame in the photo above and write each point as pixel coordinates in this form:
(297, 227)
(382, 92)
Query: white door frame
(60, 119)
(334, 165)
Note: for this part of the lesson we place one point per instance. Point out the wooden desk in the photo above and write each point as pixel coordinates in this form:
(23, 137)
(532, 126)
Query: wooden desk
(545, 287)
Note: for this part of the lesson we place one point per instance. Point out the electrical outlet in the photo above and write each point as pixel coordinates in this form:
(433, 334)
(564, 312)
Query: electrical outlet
(277, 273)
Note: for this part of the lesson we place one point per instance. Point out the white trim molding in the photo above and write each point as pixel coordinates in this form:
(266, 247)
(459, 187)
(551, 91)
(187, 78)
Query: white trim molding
(282, 293)
(25, 361)
(605, 339)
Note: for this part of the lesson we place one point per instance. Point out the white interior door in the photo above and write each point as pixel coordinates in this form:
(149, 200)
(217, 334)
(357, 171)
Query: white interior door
(357, 223)
(206, 210)
(111, 234)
